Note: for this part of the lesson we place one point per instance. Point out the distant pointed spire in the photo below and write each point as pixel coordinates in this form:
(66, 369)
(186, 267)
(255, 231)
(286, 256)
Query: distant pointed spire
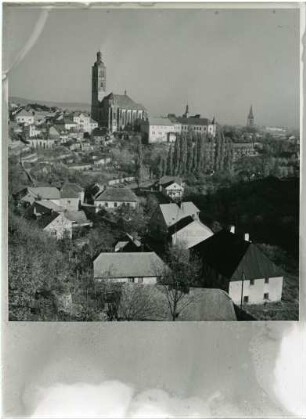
(186, 114)
(125, 92)
(99, 56)
(213, 120)
(250, 120)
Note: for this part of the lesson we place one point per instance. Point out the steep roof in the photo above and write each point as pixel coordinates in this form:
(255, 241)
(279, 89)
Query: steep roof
(159, 121)
(49, 205)
(53, 133)
(167, 180)
(78, 217)
(183, 222)
(44, 192)
(209, 304)
(24, 112)
(191, 234)
(172, 213)
(193, 121)
(125, 265)
(117, 194)
(70, 190)
(234, 257)
(45, 220)
(124, 101)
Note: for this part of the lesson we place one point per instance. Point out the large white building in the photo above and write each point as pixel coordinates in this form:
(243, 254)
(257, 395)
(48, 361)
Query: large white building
(158, 130)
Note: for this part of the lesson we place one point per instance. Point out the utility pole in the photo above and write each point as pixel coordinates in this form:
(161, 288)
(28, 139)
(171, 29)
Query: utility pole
(243, 278)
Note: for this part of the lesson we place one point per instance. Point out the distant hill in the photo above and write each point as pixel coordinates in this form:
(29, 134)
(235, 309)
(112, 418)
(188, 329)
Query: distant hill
(62, 105)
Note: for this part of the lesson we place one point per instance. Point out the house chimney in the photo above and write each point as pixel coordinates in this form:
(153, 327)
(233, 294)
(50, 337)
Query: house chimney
(232, 229)
(247, 237)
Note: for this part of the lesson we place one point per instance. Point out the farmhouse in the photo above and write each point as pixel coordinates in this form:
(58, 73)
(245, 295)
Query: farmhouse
(167, 215)
(138, 267)
(171, 186)
(112, 198)
(240, 268)
(72, 195)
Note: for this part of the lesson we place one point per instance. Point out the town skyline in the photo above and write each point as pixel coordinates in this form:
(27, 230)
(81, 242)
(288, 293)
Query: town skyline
(154, 77)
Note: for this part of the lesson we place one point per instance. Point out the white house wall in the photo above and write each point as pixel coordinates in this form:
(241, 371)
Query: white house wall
(70, 204)
(150, 280)
(111, 204)
(256, 292)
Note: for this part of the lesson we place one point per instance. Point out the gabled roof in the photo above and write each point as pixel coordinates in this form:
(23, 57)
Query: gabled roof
(234, 257)
(191, 234)
(183, 222)
(124, 101)
(127, 265)
(78, 217)
(70, 190)
(49, 205)
(53, 133)
(209, 304)
(45, 220)
(172, 213)
(44, 192)
(24, 112)
(117, 194)
(193, 121)
(159, 121)
(167, 180)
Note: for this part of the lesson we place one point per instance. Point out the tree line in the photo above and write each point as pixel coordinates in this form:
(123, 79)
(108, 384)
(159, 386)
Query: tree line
(196, 154)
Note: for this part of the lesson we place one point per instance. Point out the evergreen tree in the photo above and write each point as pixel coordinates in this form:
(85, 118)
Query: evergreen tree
(189, 160)
(169, 170)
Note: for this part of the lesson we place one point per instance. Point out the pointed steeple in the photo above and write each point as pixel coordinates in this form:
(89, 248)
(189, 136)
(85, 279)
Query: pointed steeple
(99, 57)
(250, 120)
(186, 114)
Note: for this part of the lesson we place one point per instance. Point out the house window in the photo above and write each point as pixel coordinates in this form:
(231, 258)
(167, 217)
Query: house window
(132, 280)
(252, 282)
(106, 204)
(246, 299)
(266, 280)
(53, 233)
(266, 296)
(115, 204)
(140, 280)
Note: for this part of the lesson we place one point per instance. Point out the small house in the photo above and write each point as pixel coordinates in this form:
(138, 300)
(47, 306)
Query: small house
(112, 198)
(240, 268)
(132, 267)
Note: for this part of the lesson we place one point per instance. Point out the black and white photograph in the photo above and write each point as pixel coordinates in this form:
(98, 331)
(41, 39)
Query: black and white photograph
(153, 210)
(153, 163)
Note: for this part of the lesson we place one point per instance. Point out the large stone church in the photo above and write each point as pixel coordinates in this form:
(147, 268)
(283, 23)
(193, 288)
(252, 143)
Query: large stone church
(112, 111)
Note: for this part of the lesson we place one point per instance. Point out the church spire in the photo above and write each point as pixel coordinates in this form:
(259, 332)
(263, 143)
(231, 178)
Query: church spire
(186, 114)
(250, 120)
(99, 57)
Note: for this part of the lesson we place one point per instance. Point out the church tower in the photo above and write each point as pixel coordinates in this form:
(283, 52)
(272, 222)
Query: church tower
(250, 120)
(98, 85)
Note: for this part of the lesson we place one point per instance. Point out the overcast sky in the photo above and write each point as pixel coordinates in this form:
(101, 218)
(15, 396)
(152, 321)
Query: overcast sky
(219, 62)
